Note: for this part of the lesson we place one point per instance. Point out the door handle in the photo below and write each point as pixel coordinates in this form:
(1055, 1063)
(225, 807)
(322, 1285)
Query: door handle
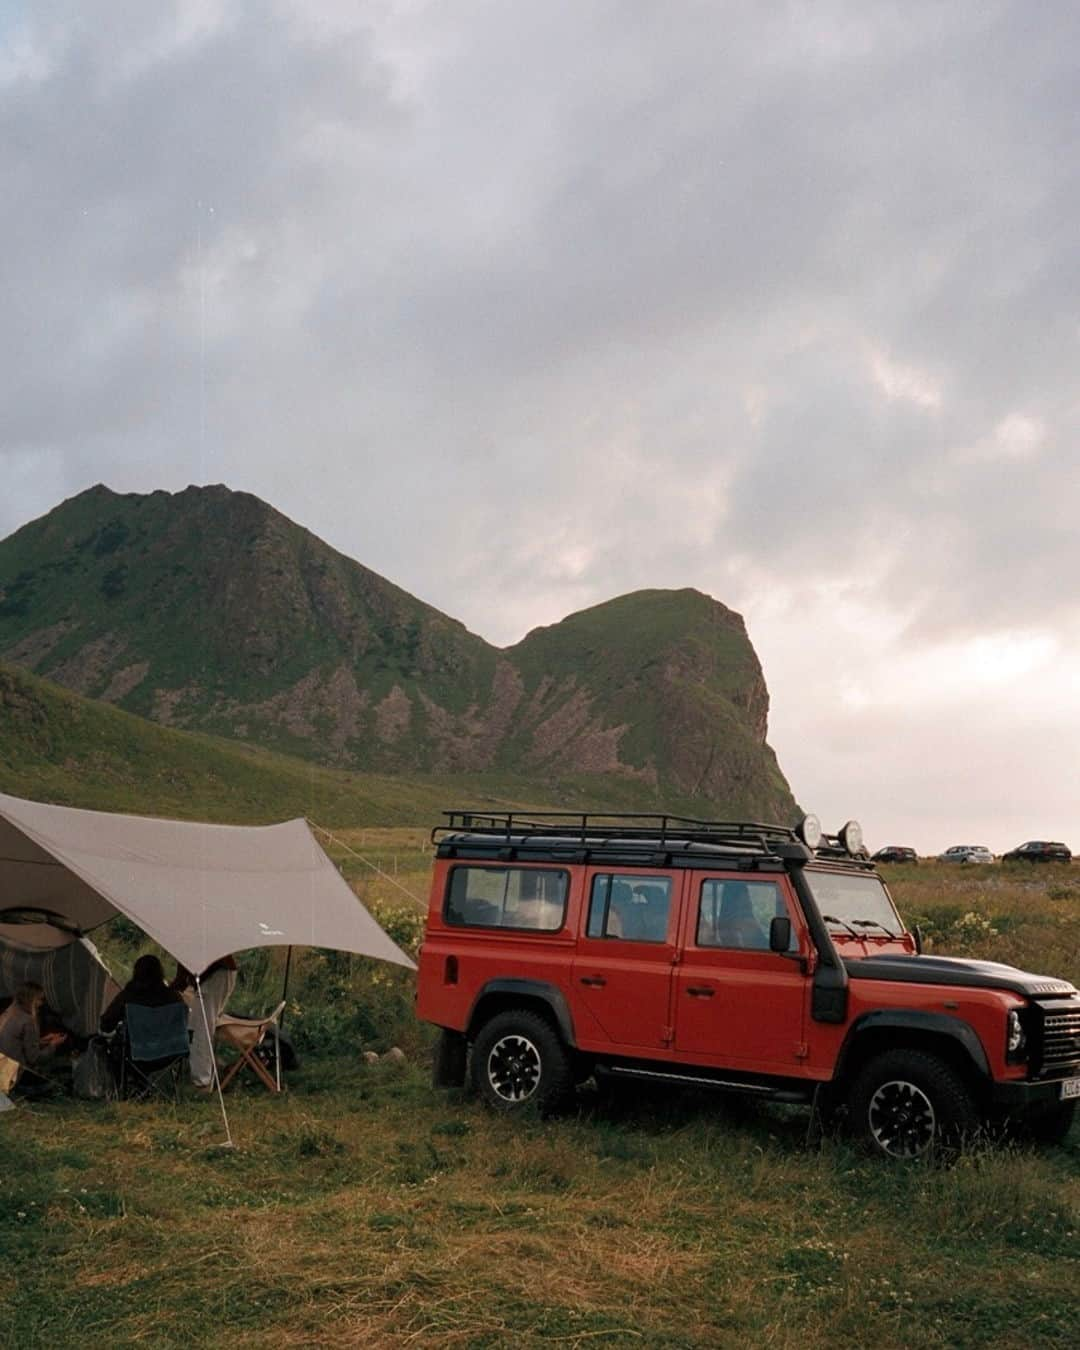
(699, 991)
(594, 981)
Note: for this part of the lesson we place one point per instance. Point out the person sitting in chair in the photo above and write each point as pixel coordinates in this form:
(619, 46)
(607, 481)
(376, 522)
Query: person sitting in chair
(21, 1041)
(147, 988)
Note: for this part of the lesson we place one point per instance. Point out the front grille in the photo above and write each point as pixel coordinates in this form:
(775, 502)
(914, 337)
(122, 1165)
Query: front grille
(1061, 1041)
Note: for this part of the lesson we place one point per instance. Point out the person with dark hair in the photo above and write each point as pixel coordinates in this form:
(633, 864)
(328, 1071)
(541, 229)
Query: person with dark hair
(146, 988)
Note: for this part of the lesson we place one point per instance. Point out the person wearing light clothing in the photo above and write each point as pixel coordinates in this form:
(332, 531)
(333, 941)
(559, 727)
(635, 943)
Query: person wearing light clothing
(216, 984)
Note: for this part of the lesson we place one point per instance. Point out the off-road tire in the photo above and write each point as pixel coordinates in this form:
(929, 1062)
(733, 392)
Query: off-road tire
(518, 1061)
(906, 1104)
(1051, 1127)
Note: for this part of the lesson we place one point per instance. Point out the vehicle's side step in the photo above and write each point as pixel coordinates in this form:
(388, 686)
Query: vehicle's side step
(765, 1090)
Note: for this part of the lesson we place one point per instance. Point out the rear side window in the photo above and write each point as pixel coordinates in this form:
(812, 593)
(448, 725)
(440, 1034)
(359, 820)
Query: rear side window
(632, 908)
(738, 914)
(507, 897)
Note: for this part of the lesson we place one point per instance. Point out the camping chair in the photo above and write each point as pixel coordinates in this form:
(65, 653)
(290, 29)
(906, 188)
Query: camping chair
(246, 1035)
(156, 1045)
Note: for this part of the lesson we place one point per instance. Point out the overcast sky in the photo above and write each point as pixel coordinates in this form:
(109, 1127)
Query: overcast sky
(528, 305)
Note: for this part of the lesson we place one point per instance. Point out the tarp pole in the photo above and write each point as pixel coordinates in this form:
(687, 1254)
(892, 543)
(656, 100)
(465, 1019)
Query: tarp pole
(213, 1060)
(285, 986)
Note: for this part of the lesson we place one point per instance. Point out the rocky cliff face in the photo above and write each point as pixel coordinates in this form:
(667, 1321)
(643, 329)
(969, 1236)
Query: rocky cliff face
(209, 610)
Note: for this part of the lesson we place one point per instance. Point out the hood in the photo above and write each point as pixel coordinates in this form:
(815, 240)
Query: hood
(957, 971)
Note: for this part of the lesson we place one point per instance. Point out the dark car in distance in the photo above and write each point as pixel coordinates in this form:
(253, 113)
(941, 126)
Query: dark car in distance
(893, 853)
(1039, 850)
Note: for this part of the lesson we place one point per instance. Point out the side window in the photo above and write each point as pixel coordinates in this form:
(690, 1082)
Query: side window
(738, 914)
(632, 908)
(506, 897)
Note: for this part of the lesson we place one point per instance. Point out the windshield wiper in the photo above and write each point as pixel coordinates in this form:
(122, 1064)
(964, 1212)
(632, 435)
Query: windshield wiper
(873, 923)
(831, 918)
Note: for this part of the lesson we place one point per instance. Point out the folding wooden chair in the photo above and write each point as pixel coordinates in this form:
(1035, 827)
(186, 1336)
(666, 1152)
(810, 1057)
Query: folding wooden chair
(246, 1036)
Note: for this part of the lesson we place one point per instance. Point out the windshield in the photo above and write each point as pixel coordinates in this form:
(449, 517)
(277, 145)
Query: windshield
(854, 902)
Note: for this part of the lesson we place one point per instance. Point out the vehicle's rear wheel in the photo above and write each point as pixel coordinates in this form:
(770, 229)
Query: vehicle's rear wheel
(518, 1060)
(906, 1103)
(1051, 1127)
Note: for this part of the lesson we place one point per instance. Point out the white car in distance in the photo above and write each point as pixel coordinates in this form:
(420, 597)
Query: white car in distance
(966, 853)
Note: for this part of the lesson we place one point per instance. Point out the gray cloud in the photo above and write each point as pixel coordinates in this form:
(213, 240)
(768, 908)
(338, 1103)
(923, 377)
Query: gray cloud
(525, 306)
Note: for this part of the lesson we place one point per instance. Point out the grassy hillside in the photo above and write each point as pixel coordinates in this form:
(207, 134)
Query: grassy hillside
(678, 671)
(605, 641)
(58, 747)
(363, 1208)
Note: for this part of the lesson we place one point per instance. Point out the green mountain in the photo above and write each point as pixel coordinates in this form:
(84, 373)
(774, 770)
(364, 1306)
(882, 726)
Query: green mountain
(210, 611)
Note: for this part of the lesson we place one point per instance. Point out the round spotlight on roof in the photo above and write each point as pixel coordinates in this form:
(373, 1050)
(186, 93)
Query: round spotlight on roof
(851, 837)
(809, 831)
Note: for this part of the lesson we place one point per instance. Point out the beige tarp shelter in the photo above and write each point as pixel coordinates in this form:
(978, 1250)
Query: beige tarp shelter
(200, 891)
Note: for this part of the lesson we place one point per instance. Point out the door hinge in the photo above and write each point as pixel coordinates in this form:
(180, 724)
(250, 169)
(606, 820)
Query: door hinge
(802, 1051)
(667, 1035)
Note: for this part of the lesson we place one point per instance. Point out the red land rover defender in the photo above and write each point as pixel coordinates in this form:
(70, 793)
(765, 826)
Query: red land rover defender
(749, 958)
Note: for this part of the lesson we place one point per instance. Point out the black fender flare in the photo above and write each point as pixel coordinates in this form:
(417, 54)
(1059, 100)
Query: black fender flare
(911, 1019)
(549, 994)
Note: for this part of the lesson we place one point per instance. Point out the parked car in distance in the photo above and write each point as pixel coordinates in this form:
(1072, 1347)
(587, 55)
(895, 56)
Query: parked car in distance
(966, 853)
(894, 853)
(1039, 850)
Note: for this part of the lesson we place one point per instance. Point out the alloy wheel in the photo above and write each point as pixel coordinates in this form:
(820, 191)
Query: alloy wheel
(513, 1068)
(902, 1119)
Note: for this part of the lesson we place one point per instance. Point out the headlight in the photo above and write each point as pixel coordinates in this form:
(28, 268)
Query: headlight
(1014, 1035)
(851, 837)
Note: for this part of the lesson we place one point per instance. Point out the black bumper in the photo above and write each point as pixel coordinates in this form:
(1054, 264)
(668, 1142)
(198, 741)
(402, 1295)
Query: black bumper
(1022, 1094)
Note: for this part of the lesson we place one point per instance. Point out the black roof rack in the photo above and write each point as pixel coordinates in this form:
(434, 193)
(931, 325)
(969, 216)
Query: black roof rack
(651, 836)
(585, 825)
(587, 828)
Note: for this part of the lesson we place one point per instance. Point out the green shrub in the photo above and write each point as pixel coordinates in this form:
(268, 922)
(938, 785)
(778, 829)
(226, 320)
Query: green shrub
(956, 932)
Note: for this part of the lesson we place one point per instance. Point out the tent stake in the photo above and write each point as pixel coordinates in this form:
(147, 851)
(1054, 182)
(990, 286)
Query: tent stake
(213, 1060)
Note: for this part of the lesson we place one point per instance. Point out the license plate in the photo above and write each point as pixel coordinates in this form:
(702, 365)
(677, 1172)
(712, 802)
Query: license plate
(1070, 1088)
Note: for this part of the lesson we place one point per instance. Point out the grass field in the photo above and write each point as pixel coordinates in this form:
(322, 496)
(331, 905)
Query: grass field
(365, 1209)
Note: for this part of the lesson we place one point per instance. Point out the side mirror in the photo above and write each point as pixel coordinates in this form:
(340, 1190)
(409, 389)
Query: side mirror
(780, 934)
(916, 933)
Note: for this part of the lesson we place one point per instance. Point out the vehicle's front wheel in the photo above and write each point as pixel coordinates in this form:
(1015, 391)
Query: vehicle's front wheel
(518, 1060)
(906, 1103)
